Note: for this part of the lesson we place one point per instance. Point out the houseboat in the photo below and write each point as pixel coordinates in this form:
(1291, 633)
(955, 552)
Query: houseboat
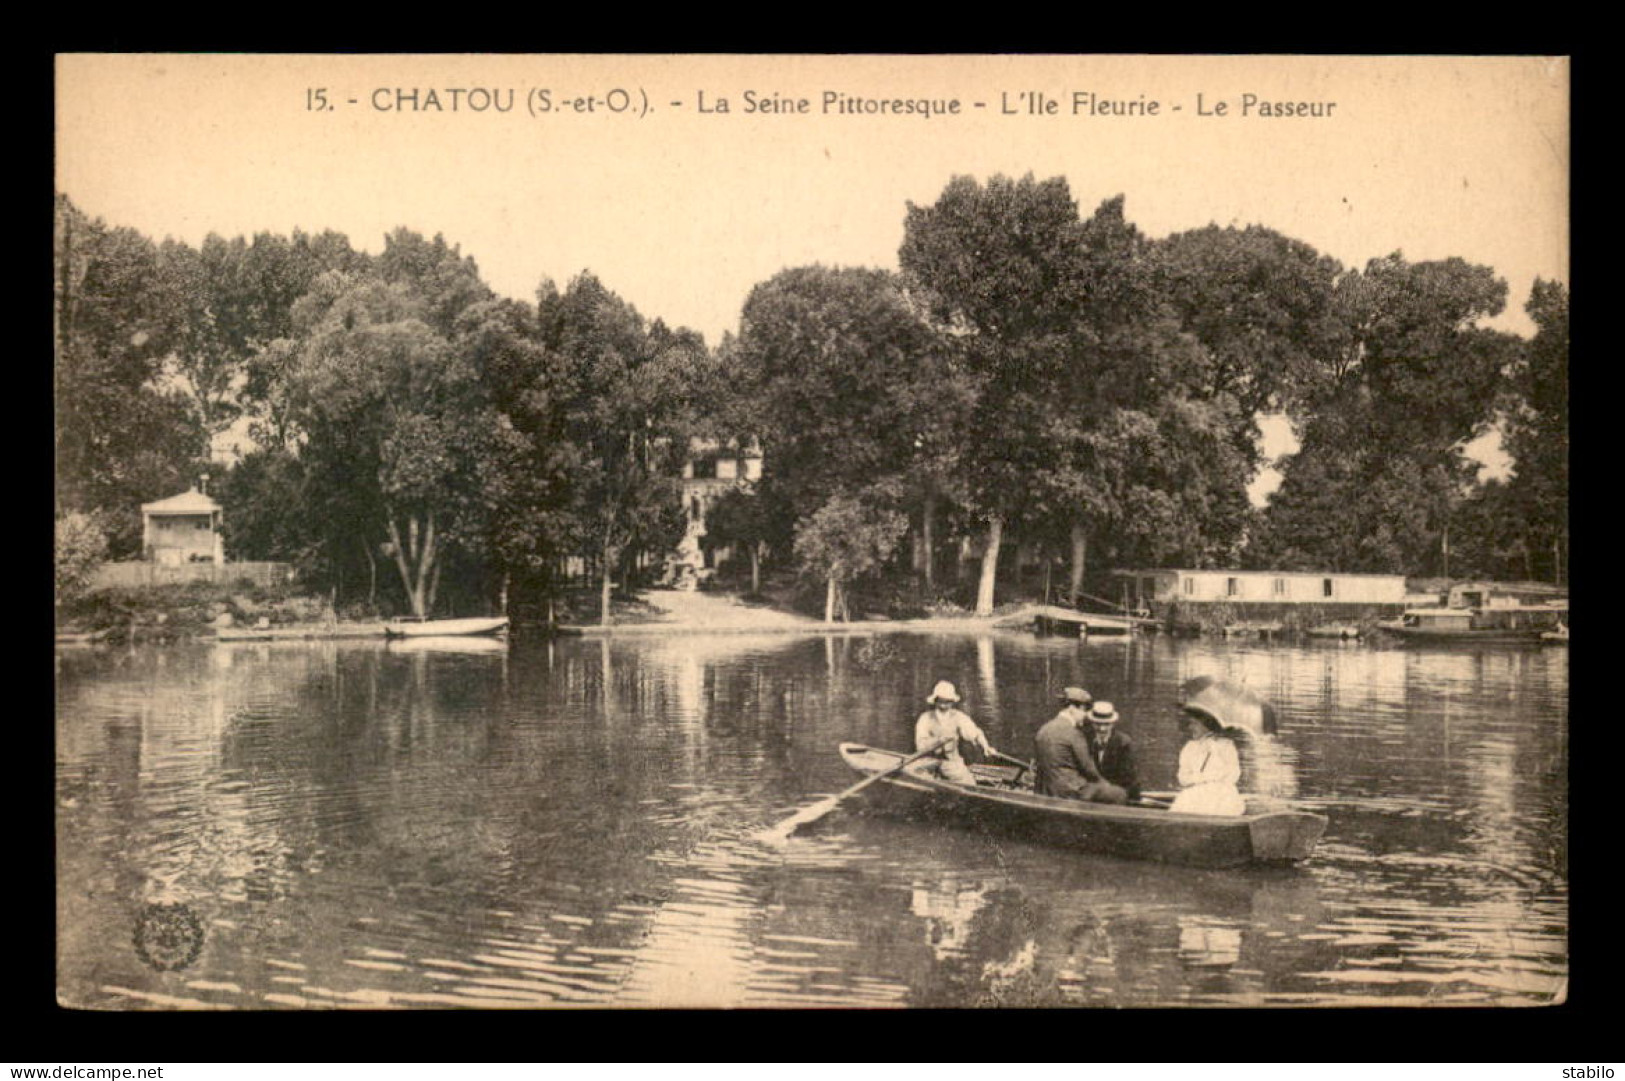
(1466, 625)
(1264, 602)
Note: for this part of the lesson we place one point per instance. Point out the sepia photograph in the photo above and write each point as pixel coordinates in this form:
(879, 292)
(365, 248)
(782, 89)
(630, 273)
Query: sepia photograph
(792, 532)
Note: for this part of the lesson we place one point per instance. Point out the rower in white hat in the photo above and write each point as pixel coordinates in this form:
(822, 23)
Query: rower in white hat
(943, 726)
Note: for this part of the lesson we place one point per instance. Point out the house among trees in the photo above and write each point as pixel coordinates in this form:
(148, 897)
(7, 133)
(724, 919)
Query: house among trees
(182, 529)
(181, 541)
(712, 468)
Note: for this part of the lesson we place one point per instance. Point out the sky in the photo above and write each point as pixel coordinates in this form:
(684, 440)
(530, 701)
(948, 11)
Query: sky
(683, 181)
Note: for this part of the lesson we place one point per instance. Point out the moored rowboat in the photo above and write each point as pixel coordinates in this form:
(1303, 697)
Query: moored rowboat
(1140, 831)
(1335, 630)
(439, 628)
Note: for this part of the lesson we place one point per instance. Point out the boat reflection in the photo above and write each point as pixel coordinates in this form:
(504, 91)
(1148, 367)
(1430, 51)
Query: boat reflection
(448, 643)
(973, 920)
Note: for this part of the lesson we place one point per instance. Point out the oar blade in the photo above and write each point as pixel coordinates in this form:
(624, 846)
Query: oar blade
(813, 812)
(809, 814)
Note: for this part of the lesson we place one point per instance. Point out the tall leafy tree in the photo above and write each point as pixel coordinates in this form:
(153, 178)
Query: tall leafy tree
(447, 281)
(209, 350)
(1129, 403)
(837, 373)
(396, 428)
(261, 285)
(1412, 377)
(529, 390)
(999, 269)
(627, 411)
(122, 436)
(1261, 306)
(1538, 430)
(1091, 395)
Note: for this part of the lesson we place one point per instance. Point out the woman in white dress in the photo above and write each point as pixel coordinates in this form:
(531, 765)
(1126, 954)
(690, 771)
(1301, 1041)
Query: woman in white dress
(1209, 768)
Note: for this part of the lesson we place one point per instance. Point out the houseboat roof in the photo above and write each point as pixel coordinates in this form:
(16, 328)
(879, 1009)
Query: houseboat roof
(188, 502)
(1545, 588)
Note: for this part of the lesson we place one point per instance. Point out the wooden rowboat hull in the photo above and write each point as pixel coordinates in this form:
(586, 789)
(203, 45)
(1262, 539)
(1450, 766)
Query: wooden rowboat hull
(1131, 832)
(1442, 635)
(441, 628)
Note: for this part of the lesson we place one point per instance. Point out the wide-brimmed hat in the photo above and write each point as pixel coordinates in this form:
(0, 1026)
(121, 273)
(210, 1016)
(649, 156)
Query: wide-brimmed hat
(943, 692)
(1077, 696)
(1103, 713)
(1209, 721)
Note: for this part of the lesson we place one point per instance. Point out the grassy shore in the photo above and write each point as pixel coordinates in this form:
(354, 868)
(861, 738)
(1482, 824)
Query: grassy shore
(199, 609)
(189, 610)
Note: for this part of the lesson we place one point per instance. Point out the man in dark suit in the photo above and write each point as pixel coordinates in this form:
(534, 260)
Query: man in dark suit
(1112, 751)
(1066, 766)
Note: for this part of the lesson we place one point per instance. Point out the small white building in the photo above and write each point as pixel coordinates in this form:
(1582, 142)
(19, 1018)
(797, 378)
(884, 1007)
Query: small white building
(1261, 587)
(182, 529)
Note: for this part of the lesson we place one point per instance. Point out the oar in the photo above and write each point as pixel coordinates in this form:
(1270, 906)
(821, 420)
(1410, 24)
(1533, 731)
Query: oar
(1025, 766)
(813, 812)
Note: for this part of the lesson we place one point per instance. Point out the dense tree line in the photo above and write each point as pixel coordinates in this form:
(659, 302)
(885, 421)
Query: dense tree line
(412, 432)
(1029, 378)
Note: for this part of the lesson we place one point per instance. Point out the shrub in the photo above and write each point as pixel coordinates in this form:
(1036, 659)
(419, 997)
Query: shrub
(81, 546)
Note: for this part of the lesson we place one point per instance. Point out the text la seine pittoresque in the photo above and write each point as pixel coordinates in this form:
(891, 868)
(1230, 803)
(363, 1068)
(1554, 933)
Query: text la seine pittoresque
(639, 102)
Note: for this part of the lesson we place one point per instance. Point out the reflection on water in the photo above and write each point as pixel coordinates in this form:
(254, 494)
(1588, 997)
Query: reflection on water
(564, 823)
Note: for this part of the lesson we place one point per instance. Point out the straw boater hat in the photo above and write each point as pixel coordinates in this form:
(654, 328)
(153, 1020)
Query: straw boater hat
(1077, 696)
(943, 691)
(1103, 713)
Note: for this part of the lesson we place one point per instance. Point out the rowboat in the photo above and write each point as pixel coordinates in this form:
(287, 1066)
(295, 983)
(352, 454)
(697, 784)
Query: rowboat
(1145, 830)
(441, 628)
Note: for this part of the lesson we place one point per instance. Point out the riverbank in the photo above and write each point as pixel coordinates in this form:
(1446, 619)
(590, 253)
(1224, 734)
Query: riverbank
(207, 612)
(673, 611)
(189, 610)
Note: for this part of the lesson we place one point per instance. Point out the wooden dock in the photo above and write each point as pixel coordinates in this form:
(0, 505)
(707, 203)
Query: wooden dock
(300, 632)
(1070, 619)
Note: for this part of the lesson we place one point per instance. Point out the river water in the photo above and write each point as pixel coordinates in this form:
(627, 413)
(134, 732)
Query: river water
(538, 824)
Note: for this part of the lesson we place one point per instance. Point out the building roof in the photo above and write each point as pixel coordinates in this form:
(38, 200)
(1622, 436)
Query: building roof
(1271, 574)
(188, 502)
(1513, 587)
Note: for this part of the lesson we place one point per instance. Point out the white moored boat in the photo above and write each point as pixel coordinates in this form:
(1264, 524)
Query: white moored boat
(440, 628)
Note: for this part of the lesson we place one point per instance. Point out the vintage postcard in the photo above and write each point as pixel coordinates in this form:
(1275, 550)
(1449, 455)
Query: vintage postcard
(802, 531)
